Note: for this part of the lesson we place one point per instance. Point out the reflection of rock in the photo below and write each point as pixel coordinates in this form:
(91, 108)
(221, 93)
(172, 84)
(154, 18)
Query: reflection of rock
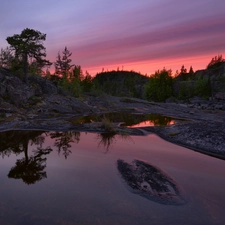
(151, 182)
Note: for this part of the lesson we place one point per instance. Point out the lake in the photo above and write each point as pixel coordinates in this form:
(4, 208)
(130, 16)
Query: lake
(73, 178)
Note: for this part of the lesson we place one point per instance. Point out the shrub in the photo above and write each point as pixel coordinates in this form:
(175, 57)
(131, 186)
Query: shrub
(186, 90)
(73, 86)
(159, 86)
(108, 126)
(203, 87)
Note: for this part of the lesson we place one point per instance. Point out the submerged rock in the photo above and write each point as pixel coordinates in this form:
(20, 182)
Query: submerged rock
(151, 182)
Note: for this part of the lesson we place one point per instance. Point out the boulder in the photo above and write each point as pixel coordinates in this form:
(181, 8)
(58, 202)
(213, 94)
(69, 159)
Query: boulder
(220, 96)
(62, 104)
(14, 90)
(42, 85)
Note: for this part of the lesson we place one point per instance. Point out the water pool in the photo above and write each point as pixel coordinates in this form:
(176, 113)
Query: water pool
(72, 178)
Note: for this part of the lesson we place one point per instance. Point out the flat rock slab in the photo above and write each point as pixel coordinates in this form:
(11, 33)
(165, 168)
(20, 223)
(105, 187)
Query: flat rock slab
(151, 182)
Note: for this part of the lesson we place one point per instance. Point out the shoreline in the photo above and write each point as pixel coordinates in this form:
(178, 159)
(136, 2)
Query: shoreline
(198, 130)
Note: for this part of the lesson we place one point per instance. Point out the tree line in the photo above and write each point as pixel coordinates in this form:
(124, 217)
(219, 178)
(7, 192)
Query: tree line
(26, 54)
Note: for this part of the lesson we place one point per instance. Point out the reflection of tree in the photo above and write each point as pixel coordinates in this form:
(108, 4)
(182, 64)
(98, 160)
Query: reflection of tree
(38, 140)
(16, 141)
(63, 140)
(30, 169)
(108, 139)
(159, 120)
(86, 119)
(130, 119)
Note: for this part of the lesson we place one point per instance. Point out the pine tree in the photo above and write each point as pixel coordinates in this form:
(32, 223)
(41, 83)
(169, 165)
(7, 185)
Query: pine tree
(63, 64)
(191, 71)
(29, 44)
(77, 73)
(183, 70)
(215, 62)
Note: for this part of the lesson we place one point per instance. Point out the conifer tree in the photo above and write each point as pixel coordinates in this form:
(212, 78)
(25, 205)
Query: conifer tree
(63, 64)
(215, 62)
(191, 71)
(183, 70)
(29, 45)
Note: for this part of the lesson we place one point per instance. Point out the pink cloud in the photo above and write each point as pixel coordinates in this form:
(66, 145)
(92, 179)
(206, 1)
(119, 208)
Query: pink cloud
(141, 33)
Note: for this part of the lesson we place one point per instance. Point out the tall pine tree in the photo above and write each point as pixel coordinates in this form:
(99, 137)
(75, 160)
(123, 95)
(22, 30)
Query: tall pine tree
(29, 44)
(63, 64)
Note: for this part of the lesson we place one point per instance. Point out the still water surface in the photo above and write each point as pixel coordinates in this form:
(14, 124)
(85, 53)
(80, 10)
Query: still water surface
(72, 178)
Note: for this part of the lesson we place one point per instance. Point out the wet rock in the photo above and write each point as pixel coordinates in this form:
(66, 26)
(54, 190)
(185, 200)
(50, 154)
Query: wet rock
(151, 182)
(206, 137)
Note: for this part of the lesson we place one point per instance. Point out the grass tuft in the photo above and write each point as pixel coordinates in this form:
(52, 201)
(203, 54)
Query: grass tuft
(108, 126)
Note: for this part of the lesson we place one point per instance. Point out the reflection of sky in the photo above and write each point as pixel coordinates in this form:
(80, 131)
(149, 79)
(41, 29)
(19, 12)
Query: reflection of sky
(149, 124)
(140, 35)
(88, 183)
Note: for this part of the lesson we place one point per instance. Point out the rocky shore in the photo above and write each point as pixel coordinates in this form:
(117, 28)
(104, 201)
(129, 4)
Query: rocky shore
(197, 129)
(199, 125)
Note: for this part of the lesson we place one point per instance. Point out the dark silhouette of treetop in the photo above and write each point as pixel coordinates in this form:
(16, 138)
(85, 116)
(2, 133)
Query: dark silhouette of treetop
(191, 71)
(183, 70)
(29, 44)
(63, 64)
(215, 62)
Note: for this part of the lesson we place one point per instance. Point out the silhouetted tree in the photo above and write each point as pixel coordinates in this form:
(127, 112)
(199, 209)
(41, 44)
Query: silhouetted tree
(77, 73)
(176, 73)
(63, 63)
(86, 83)
(191, 71)
(29, 44)
(215, 62)
(183, 70)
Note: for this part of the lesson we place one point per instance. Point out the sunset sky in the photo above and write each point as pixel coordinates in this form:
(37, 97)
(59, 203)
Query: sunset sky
(143, 35)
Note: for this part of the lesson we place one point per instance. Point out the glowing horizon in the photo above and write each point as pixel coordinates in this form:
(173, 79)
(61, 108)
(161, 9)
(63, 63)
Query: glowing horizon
(149, 67)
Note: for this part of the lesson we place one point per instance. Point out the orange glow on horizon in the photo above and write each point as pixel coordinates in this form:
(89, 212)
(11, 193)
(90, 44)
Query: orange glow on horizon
(149, 67)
